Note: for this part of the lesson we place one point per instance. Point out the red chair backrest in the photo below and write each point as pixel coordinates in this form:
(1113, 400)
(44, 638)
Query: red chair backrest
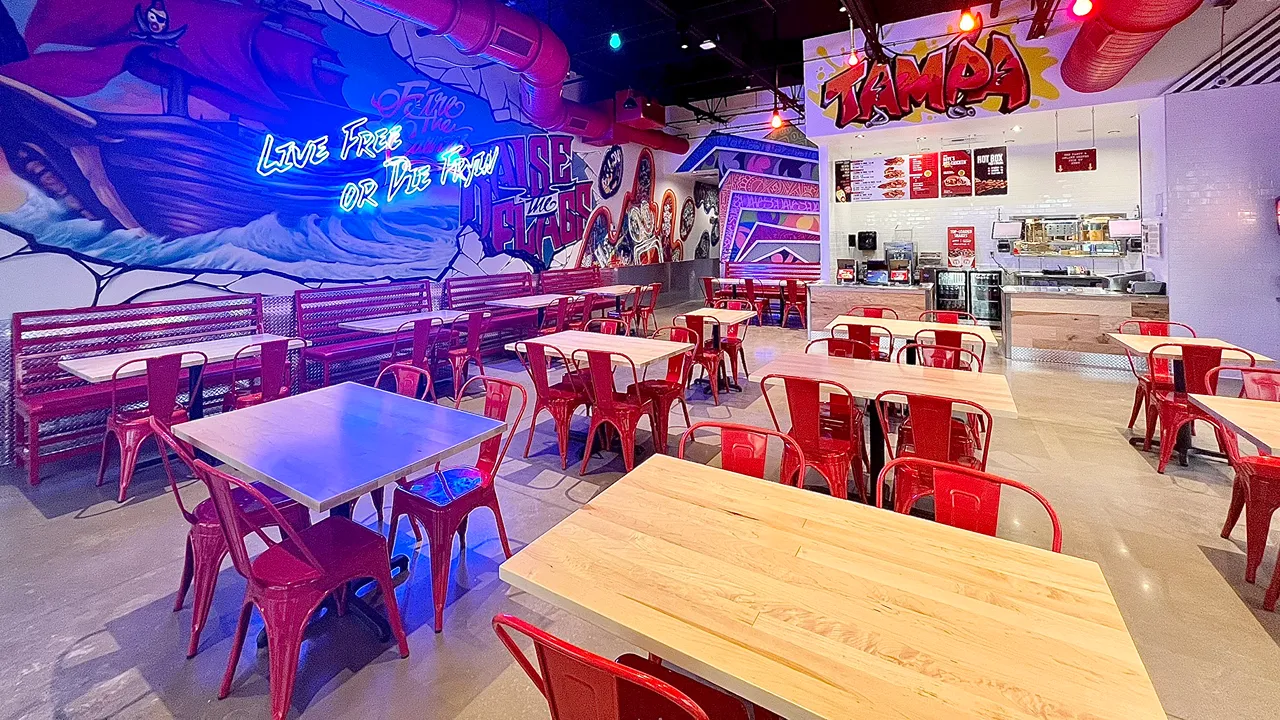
(803, 405)
(163, 375)
(498, 394)
(867, 334)
(1261, 383)
(941, 356)
(873, 312)
(475, 323)
(709, 289)
(678, 366)
(423, 335)
(654, 290)
(273, 367)
(168, 443)
(600, 373)
(844, 348)
(1197, 362)
(948, 317)
(744, 450)
(966, 498)
(931, 417)
(537, 359)
(953, 339)
(698, 324)
(559, 314)
(1154, 328)
(607, 326)
(580, 685)
(749, 289)
(408, 379)
(584, 307)
(793, 290)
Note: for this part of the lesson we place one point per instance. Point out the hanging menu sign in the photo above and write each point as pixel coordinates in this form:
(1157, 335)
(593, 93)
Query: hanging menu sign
(1076, 160)
(875, 179)
(957, 173)
(922, 171)
(962, 248)
(843, 171)
(990, 171)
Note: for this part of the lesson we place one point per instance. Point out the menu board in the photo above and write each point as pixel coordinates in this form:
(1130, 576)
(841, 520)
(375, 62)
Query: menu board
(922, 172)
(991, 171)
(957, 173)
(871, 179)
(962, 247)
(1076, 160)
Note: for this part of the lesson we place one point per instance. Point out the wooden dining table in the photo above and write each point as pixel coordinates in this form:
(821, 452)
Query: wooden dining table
(538, 303)
(821, 609)
(868, 378)
(1258, 421)
(617, 292)
(908, 328)
(642, 351)
(389, 324)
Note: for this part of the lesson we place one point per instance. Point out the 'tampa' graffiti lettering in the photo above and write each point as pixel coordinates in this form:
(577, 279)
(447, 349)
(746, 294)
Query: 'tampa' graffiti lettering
(955, 75)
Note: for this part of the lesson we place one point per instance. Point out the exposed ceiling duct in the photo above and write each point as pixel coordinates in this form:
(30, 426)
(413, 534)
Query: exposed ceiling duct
(493, 31)
(1112, 42)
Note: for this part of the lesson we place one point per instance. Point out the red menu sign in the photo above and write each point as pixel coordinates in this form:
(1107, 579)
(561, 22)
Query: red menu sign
(922, 170)
(1076, 160)
(962, 248)
(957, 173)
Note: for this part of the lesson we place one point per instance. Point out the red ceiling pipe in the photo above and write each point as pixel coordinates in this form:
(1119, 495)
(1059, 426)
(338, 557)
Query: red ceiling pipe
(515, 40)
(1112, 42)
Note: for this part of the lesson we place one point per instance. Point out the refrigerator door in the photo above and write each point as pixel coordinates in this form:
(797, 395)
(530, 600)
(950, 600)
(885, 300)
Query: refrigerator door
(951, 291)
(984, 296)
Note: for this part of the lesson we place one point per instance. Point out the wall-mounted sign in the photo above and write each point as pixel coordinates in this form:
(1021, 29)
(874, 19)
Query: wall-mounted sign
(843, 185)
(991, 171)
(1076, 160)
(962, 247)
(922, 170)
(957, 173)
(871, 179)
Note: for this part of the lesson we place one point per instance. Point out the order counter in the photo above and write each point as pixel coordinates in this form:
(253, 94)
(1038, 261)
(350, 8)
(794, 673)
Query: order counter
(1070, 324)
(829, 300)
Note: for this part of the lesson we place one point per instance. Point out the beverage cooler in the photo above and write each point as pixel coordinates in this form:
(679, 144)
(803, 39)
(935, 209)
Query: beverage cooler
(976, 292)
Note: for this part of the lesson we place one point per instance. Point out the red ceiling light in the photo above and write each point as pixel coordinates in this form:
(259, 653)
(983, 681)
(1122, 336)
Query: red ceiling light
(968, 22)
(1081, 8)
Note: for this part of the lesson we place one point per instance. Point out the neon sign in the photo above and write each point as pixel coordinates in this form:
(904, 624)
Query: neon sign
(403, 177)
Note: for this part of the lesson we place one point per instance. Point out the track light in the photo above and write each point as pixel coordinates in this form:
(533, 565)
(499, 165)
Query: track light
(708, 44)
(967, 21)
(1081, 8)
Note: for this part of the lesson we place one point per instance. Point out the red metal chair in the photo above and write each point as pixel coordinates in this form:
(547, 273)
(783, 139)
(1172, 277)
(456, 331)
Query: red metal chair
(672, 388)
(206, 542)
(709, 292)
(744, 450)
(836, 415)
(1159, 376)
(275, 376)
(941, 356)
(871, 311)
(442, 501)
(758, 303)
(933, 432)
(1173, 408)
(708, 354)
(606, 326)
(561, 399)
(793, 300)
(833, 455)
(416, 344)
(580, 311)
(648, 312)
(955, 339)
(556, 319)
(621, 410)
(579, 685)
(869, 335)
(963, 497)
(410, 381)
(130, 427)
(731, 341)
(842, 348)
(290, 579)
(630, 312)
(948, 317)
(462, 354)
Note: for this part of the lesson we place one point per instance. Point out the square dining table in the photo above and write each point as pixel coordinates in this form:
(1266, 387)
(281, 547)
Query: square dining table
(328, 447)
(822, 609)
(908, 328)
(389, 324)
(617, 292)
(642, 351)
(540, 303)
(1258, 421)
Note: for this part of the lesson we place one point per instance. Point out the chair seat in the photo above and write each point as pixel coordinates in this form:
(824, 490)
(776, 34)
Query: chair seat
(245, 400)
(207, 514)
(655, 388)
(143, 417)
(444, 487)
(342, 547)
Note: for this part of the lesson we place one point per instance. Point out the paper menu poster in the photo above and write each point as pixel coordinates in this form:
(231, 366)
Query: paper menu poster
(991, 171)
(962, 247)
(957, 173)
(922, 172)
(876, 179)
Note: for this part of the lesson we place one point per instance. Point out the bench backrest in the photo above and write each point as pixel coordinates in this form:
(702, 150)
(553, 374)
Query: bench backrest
(570, 280)
(318, 312)
(474, 291)
(773, 271)
(43, 338)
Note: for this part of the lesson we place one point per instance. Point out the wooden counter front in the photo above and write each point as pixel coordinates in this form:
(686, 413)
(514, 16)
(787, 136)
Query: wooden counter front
(1072, 326)
(828, 301)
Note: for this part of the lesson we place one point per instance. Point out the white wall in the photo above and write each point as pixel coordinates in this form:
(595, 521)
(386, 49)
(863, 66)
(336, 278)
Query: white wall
(1152, 147)
(1034, 189)
(1220, 235)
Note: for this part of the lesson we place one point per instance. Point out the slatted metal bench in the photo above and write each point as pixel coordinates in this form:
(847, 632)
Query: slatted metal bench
(60, 415)
(336, 353)
(475, 293)
(569, 281)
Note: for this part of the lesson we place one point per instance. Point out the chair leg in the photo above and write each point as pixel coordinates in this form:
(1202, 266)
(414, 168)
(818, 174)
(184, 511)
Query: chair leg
(185, 583)
(207, 553)
(388, 588)
(1153, 416)
(591, 436)
(685, 406)
(1138, 397)
(379, 496)
(1238, 492)
(102, 462)
(237, 644)
(283, 651)
(32, 441)
(502, 528)
(128, 463)
(533, 423)
(1169, 428)
(627, 437)
(1257, 523)
(1273, 593)
(441, 540)
(563, 422)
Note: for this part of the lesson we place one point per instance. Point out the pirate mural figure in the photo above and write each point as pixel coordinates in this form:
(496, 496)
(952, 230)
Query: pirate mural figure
(153, 24)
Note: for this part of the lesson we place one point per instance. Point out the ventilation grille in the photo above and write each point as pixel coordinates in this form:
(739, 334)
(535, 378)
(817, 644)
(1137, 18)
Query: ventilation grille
(1251, 59)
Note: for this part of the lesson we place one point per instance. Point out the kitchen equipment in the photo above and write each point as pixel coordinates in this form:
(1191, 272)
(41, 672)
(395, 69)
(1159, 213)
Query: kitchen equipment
(877, 272)
(1146, 287)
(1119, 282)
(901, 258)
(951, 291)
(984, 295)
(867, 240)
(846, 271)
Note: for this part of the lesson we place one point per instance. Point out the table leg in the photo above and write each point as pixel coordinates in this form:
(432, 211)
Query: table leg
(875, 453)
(542, 316)
(195, 386)
(1184, 433)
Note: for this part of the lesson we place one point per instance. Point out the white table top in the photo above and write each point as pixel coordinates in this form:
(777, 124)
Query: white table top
(390, 323)
(642, 351)
(529, 302)
(609, 290)
(98, 368)
(328, 447)
(722, 315)
(1258, 421)
(908, 328)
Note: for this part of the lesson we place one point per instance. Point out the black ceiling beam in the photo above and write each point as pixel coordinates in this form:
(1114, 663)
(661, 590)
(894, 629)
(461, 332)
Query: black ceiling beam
(1044, 10)
(864, 18)
(699, 36)
(701, 114)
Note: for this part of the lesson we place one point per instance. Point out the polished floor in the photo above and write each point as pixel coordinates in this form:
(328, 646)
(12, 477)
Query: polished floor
(87, 629)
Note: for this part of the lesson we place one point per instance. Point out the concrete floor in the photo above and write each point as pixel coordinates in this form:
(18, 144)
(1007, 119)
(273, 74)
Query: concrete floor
(87, 628)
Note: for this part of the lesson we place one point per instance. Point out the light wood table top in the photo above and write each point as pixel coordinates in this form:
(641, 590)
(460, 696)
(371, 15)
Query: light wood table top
(330, 446)
(642, 351)
(1258, 421)
(816, 607)
(1143, 344)
(390, 323)
(99, 368)
(868, 378)
(758, 281)
(528, 302)
(609, 290)
(908, 328)
(722, 315)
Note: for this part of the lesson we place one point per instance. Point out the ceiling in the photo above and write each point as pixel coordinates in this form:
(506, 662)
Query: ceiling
(755, 39)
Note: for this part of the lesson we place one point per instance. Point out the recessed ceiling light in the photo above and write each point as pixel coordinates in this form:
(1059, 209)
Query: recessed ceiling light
(684, 46)
(708, 44)
(843, 9)
(1016, 128)
(860, 135)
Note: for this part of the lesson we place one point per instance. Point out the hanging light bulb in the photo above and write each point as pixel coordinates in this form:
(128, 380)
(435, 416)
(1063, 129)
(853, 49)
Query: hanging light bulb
(776, 120)
(967, 21)
(853, 58)
(1081, 8)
